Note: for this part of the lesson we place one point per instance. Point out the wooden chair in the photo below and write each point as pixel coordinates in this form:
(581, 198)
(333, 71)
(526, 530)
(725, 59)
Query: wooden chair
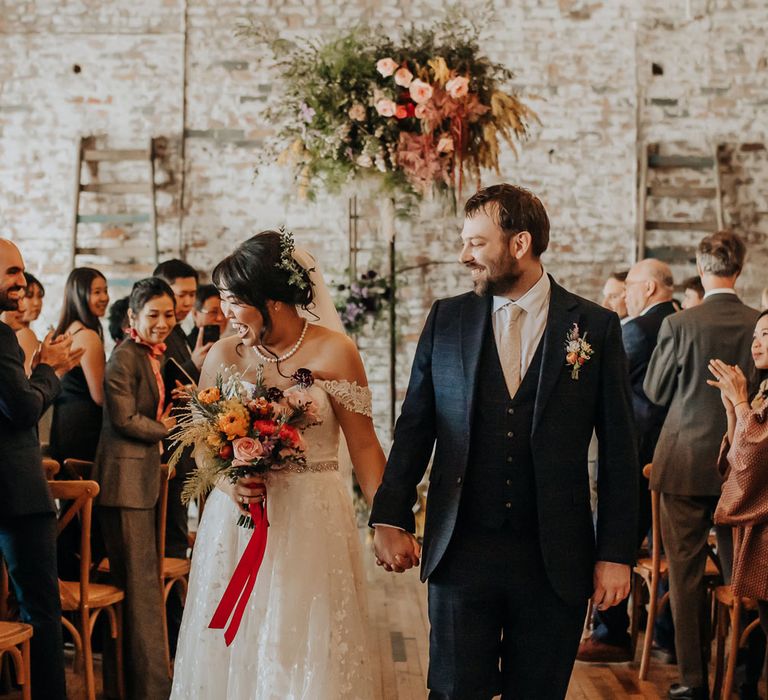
(77, 469)
(648, 572)
(728, 614)
(87, 599)
(51, 468)
(174, 570)
(14, 639)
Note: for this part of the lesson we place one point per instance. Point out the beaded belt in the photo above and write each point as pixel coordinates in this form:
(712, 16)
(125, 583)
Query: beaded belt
(331, 466)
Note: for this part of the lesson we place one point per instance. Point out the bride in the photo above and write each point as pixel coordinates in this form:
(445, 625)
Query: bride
(303, 634)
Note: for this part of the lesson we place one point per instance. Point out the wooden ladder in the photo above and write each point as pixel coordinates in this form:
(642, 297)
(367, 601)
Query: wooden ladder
(679, 201)
(128, 250)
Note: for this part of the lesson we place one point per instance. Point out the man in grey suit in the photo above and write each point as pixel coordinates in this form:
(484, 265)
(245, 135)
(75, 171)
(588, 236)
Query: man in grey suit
(684, 462)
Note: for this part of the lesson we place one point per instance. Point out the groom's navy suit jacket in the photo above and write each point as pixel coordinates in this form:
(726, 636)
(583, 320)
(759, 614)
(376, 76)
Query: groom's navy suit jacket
(438, 413)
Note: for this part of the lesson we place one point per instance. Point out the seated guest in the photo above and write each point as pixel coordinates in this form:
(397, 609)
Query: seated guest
(27, 511)
(77, 410)
(693, 292)
(743, 503)
(613, 295)
(207, 312)
(118, 320)
(128, 470)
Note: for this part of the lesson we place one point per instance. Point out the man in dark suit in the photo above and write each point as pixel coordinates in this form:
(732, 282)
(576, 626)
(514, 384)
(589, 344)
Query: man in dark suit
(648, 297)
(27, 511)
(685, 459)
(507, 386)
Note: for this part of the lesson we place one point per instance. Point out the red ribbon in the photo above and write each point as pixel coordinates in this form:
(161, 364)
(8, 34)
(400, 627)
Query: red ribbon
(243, 579)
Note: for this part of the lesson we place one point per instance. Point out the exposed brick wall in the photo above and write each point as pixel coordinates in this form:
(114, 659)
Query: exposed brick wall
(590, 65)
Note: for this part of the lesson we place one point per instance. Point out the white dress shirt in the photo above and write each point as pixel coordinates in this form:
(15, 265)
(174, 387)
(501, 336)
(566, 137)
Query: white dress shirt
(535, 304)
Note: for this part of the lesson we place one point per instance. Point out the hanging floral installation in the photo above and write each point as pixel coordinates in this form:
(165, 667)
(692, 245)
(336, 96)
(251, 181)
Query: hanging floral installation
(421, 113)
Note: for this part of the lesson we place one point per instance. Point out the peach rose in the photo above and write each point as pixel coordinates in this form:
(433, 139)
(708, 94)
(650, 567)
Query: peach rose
(420, 91)
(386, 108)
(457, 87)
(246, 450)
(403, 77)
(386, 66)
(420, 111)
(572, 358)
(357, 112)
(445, 145)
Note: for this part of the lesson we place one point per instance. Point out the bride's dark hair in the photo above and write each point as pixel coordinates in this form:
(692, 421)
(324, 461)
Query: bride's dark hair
(254, 273)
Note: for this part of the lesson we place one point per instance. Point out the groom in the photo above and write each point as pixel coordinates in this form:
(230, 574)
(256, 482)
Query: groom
(510, 551)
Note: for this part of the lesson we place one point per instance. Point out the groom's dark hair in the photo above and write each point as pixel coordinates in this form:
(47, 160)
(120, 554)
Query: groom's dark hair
(513, 209)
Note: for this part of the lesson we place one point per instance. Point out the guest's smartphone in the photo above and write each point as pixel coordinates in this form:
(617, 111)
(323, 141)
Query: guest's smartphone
(211, 334)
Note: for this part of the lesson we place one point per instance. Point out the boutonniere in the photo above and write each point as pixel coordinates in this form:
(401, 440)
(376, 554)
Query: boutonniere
(577, 350)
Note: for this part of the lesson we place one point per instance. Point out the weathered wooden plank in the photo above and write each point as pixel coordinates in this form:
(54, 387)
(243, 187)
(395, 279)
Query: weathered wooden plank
(693, 162)
(113, 218)
(117, 187)
(116, 154)
(682, 192)
(681, 226)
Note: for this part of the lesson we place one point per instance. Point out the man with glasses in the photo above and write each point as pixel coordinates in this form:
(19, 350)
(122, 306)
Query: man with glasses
(207, 312)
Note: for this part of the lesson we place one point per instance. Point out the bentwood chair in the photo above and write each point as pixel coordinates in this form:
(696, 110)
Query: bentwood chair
(14, 640)
(51, 468)
(88, 600)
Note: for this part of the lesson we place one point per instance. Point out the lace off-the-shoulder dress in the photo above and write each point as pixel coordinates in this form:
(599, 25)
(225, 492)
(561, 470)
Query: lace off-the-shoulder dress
(304, 632)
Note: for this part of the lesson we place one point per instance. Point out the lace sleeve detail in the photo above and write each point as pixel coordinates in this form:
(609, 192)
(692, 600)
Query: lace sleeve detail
(350, 395)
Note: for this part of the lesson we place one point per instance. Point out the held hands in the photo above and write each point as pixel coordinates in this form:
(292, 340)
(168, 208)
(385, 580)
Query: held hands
(58, 353)
(396, 550)
(731, 382)
(611, 581)
(200, 351)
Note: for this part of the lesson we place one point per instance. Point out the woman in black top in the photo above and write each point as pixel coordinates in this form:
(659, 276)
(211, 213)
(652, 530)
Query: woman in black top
(77, 410)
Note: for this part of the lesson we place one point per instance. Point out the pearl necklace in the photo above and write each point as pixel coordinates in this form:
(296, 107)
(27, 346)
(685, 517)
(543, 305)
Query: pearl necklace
(290, 353)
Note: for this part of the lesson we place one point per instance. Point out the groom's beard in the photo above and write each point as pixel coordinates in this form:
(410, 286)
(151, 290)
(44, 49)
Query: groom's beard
(499, 283)
(6, 303)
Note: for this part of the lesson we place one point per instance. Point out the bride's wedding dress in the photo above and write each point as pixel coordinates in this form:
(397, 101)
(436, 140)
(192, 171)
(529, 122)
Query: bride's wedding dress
(303, 634)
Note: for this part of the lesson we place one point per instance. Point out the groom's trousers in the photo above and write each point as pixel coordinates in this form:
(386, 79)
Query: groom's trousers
(497, 625)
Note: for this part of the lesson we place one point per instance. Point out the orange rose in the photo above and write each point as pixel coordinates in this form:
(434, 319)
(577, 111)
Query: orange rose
(572, 358)
(209, 395)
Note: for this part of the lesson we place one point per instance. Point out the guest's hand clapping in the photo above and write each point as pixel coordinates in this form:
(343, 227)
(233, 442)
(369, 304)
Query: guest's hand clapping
(731, 382)
(58, 353)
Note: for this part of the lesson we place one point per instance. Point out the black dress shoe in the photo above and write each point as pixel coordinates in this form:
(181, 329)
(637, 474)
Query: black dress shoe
(687, 692)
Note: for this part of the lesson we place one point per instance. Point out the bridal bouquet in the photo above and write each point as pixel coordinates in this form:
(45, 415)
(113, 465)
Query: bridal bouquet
(241, 429)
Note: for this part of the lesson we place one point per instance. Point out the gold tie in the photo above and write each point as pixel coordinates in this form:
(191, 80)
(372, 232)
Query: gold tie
(510, 352)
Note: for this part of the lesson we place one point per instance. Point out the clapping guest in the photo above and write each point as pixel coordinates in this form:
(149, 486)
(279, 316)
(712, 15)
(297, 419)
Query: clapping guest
(27, 512)
(77, 411)
(128, 469)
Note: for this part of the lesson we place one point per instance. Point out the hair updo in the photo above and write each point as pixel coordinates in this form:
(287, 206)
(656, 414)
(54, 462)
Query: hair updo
(253, 275)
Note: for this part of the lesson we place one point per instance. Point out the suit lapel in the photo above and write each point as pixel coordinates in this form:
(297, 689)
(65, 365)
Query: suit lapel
(561, 316)
(475, 317)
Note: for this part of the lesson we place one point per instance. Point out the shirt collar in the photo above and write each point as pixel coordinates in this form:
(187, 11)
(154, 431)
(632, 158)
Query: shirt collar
(652, 306)
(720, 290)
(533, 300)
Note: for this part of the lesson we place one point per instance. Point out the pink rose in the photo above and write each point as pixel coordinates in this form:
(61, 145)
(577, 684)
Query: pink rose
(386, 66)
(421, 110)
(246, 450)
(357, 112)
(421, 92)
(403, 77)
(457, 87)
(386, 108)
(445, 145)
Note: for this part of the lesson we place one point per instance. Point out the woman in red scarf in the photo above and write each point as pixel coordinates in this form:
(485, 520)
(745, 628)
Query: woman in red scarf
(127, 468)
(744, 461)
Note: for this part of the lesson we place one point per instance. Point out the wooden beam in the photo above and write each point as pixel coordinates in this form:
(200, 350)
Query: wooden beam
(681, 226)
(692, 162)
(116, 187)
(116, 154)
(682, 192)
(113, 218)
(676, 255)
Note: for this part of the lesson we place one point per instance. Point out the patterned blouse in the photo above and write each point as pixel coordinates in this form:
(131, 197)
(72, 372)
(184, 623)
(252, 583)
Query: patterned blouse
(744, 499)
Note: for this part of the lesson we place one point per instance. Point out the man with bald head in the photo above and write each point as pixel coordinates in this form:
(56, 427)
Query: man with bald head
(27, 512)
(648, 291)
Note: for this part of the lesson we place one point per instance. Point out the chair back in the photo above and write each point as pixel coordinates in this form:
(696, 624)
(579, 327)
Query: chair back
(81, 495)
(77, 469)
(51, 468)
